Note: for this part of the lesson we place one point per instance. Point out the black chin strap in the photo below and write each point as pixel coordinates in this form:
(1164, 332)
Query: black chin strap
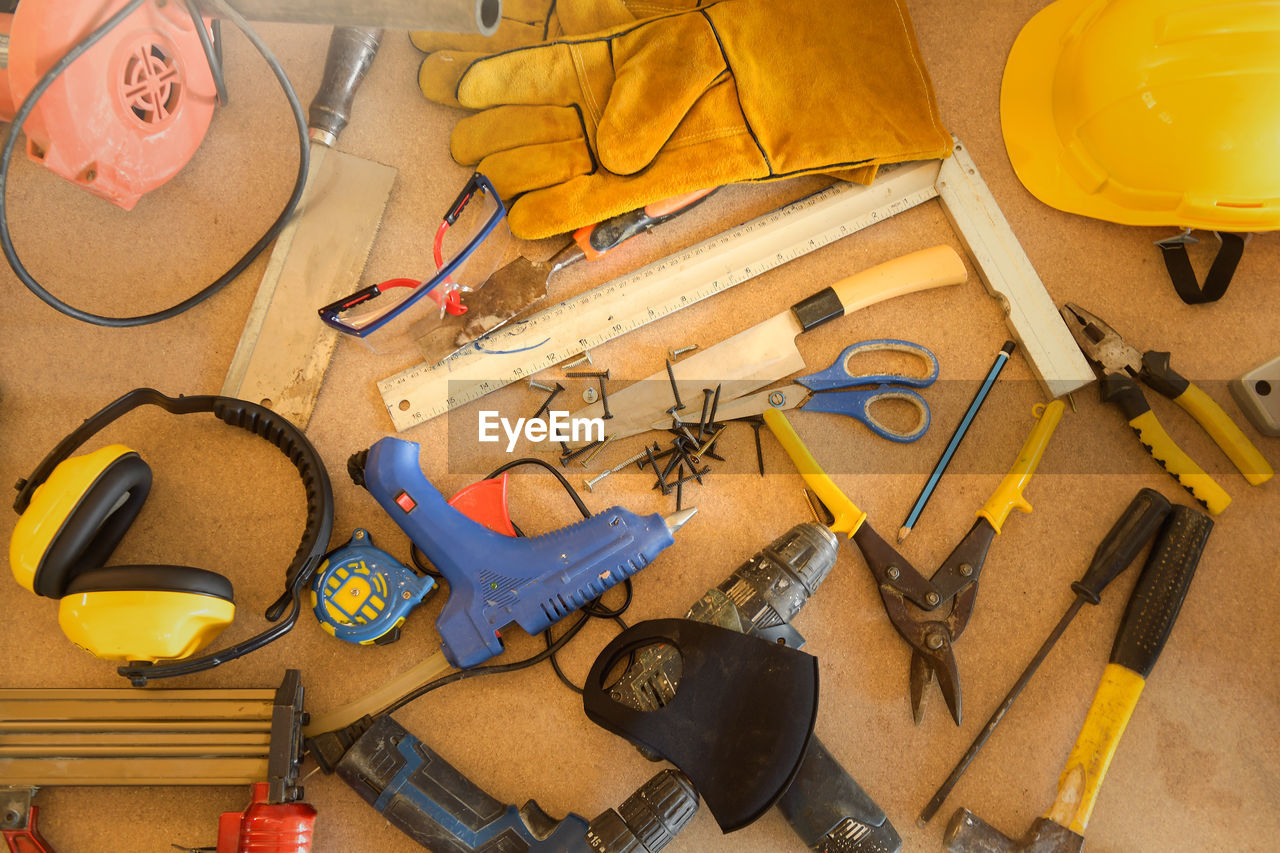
(1176, 260)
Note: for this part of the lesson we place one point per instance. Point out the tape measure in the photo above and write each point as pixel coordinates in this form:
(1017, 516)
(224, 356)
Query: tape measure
(362, 594)
(520, 349)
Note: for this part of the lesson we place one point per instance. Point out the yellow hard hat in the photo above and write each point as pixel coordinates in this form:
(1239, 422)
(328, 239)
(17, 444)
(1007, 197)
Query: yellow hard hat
(1149, 112)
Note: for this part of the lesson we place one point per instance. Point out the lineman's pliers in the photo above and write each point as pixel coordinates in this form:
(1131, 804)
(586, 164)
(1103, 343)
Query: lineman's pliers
(1121, 365)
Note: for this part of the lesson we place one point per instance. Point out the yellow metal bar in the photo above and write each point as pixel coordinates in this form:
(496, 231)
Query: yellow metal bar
(39, 772)
(91, 708)
(140, 726)
(74, 744)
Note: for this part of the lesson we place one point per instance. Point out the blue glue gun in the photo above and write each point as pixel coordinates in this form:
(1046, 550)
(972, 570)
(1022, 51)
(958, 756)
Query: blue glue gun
(495, 580)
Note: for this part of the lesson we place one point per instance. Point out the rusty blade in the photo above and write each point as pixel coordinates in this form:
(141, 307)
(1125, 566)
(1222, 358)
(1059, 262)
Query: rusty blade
(507, 294)
(512, 289)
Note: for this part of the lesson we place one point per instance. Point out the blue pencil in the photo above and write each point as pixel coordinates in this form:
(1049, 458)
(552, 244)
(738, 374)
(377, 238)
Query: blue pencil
(1002, 358)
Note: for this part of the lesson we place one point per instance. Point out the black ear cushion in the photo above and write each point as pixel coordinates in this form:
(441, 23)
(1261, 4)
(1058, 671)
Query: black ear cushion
(96, 525)
(151, 578)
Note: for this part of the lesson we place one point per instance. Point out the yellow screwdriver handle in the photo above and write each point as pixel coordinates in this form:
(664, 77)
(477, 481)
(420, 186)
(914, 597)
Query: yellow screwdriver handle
(1225, 434)
(1008, 495)
(848, 518)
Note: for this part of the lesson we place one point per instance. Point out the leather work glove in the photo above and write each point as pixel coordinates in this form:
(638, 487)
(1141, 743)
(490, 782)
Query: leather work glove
(584, 128)
(525, 23)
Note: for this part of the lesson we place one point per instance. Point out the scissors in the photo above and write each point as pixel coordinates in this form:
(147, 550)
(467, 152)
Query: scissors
(837, 391)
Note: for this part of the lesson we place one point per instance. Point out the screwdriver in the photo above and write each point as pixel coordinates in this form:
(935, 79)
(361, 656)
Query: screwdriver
(1129, 535)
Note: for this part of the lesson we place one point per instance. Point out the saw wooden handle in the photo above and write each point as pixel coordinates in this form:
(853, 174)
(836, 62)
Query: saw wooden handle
(922, 270)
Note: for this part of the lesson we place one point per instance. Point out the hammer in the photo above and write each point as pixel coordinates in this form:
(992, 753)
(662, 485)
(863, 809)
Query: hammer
(1157, 597)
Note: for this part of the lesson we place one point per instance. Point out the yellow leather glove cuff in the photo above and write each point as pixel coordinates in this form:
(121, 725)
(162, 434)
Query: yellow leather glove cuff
(741, 90)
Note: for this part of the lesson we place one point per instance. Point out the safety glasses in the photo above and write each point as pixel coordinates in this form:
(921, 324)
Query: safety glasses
(471, 240)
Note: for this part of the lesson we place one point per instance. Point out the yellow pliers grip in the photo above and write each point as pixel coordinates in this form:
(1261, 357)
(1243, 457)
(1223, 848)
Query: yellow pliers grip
(1225, 434)
(848, 518)
(1120, 389)
(1008, 495)
(1175, 460)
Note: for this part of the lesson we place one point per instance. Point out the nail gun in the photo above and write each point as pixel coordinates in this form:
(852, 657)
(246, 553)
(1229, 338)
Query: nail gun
(118, 736)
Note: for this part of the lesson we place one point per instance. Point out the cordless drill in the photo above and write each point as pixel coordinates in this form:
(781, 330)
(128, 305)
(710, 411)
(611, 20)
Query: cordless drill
(824, 805)
(435, 805)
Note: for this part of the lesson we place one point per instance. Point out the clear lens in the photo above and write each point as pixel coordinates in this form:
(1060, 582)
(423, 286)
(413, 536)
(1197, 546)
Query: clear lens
(466, 252)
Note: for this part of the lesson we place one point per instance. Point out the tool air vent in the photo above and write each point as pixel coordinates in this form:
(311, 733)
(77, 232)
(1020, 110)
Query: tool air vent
(152, 84)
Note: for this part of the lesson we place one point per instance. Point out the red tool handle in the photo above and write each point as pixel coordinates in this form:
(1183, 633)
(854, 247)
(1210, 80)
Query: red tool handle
(27, 840)
(278, 827)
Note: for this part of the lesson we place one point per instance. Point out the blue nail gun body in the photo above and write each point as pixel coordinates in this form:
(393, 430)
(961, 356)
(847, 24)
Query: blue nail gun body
(495, 580)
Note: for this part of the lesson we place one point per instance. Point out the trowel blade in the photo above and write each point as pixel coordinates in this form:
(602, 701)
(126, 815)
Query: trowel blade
(507, 293)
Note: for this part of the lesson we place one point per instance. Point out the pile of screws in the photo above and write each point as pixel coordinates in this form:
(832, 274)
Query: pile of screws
(683, 459)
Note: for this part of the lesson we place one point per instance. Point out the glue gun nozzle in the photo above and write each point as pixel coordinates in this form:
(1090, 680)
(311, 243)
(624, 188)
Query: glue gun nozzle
(677, 519)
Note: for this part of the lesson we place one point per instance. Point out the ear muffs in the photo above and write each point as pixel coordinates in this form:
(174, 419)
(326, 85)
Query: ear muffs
(77, 517)
(145, 613)
(74, 511)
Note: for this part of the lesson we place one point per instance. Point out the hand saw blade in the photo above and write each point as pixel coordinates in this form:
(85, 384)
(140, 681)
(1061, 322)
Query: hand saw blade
(320, 255)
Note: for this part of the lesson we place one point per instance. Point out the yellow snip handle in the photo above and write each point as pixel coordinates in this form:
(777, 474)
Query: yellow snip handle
(1225, 434)
(1008, 494)
(848, 517)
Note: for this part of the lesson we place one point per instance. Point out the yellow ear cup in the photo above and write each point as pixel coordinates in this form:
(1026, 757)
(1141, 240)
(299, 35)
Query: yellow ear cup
(70, 510)
(143, 625)
(145, 613)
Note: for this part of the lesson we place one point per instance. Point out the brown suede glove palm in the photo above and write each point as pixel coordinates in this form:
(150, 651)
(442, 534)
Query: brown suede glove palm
(585, 128)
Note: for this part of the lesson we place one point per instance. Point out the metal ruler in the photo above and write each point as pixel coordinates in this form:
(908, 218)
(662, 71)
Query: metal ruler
(624, 304)
(521, 349)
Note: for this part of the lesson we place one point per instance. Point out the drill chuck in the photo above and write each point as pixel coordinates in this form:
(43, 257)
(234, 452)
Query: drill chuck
(649, 819)
(759, 599)
(768, 590)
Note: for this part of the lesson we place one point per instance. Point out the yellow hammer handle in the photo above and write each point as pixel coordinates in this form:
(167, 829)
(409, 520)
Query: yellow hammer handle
(922, 270)
(1087, 765)
(1008, 495)
(848, 518)
(1226, 434)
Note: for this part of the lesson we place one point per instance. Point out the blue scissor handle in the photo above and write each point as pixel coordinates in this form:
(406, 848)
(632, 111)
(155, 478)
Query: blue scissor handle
(838, 375)
(844, 398)
(857, 403)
